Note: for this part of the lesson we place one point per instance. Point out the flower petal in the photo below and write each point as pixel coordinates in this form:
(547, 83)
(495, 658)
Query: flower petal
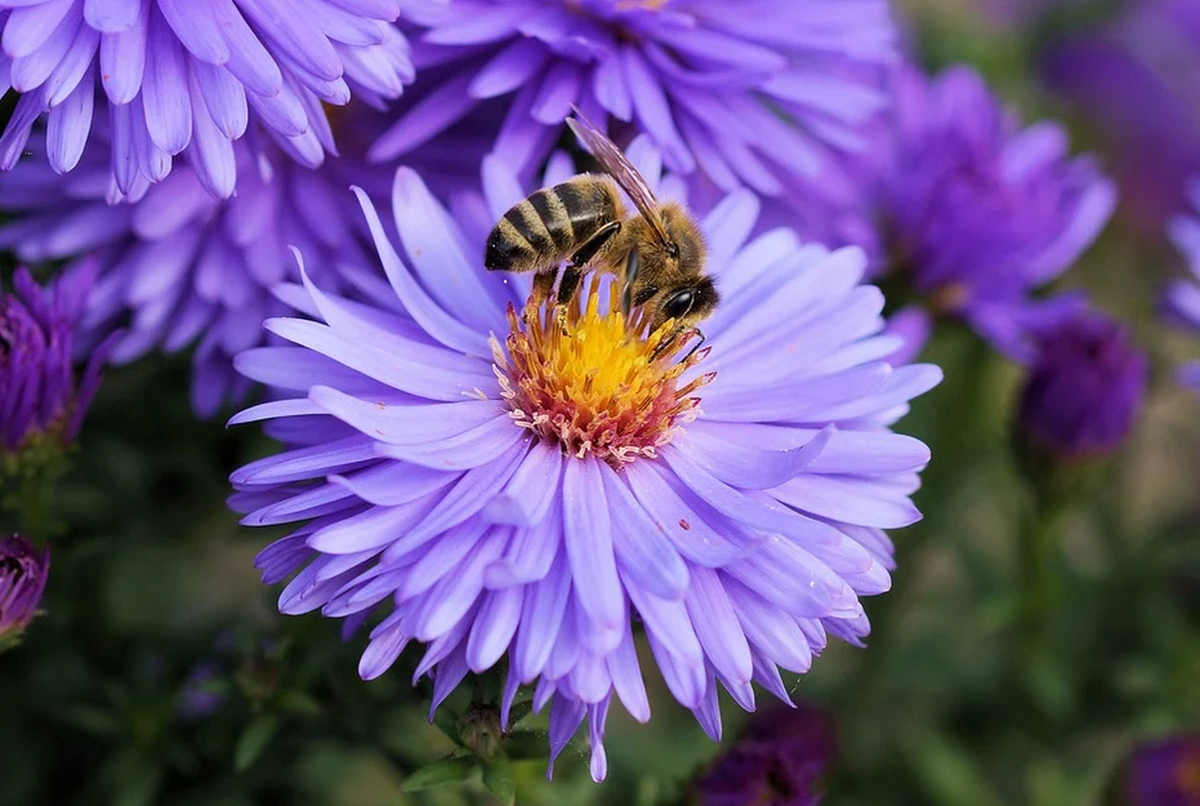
(717, 626)
(645, 556)
(541, 617)
(587, 535)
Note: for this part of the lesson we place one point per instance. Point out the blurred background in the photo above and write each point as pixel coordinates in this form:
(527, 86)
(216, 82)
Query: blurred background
(161, 672)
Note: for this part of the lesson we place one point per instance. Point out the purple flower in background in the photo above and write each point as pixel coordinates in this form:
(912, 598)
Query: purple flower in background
(506, 484)
(1163, 772)
(712, 82)
(202, 693)
(1135, 79)
(40, 399)
(778, 761)
(1085, 388)
(1182, 299)
(23, 574)
(181, 267)
(975, 211)
(189, 76)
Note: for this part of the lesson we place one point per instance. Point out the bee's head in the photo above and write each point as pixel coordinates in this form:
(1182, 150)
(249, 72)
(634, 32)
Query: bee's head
(686, 304)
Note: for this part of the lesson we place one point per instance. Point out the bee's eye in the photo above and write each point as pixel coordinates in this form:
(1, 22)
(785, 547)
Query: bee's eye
(679, 304)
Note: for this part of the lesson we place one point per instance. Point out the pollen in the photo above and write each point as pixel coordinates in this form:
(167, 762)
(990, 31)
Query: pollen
(594, 382)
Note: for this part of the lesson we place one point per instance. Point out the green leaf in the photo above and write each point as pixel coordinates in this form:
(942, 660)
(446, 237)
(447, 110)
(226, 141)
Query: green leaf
(519, 711)
(254, 741)
(98, 721)
(498, 778)
(138, 781)
(521, 745)
(950, 775)
(447, 723)
(1049, 686)
(295, 701)
(442, 772)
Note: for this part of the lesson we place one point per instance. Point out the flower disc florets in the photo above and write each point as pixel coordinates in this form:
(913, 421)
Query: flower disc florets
(589, 380)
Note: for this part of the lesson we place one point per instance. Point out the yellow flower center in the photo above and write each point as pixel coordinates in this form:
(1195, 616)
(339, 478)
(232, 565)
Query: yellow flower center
(592, 381)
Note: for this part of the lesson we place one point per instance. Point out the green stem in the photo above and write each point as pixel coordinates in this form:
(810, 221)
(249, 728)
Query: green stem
(1038, 665)
(1037, 550)
(27, 482)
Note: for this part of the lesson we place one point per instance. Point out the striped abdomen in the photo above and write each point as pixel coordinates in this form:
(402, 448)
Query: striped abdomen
(551, 225)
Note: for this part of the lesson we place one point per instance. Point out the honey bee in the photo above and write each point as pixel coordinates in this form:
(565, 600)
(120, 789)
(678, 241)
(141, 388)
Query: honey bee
(583, 221)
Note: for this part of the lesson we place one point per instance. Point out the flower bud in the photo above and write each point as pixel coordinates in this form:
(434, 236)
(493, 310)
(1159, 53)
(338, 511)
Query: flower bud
(1084, 390)
(23, 573)
(779, 761)
(481, 731)
(41, 404)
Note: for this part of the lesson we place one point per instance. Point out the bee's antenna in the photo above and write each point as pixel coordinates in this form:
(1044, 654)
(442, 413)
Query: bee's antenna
(631, 272)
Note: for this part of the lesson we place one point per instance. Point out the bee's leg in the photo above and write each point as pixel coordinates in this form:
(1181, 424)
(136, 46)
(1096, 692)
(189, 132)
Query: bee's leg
(571, 275)
(631, 271)
(698, 345)
(543, 284)
(665, 343)
(679, 333)
(583, 256)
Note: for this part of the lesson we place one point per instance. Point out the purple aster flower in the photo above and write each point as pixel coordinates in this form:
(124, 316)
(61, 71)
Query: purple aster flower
(180, 267)
(505, 482)
(778, 761)
(189, 76)
(41, 401)
(713, 83)
(1182, 299)
(23, 574)
(1163, 772)
(973, 210)
(1084, 390)
(1134, 77)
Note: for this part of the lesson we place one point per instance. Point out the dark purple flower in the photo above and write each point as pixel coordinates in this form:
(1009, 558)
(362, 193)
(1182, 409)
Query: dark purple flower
(178, 266)
(40, 398)
(1135, 78)
(23, 574)
(1163, 772)
(189, 76)
(1084, 390)
(1182, 298)
(975, 211)
(502, 490)
(748, 92)
(778, 761)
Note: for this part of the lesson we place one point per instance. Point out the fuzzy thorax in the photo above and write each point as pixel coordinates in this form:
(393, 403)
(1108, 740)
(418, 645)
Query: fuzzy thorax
(588, 379)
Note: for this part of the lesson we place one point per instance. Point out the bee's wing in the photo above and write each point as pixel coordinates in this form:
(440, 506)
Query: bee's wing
(615, 163)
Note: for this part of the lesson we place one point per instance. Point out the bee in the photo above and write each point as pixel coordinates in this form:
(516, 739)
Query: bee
(659, 250)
